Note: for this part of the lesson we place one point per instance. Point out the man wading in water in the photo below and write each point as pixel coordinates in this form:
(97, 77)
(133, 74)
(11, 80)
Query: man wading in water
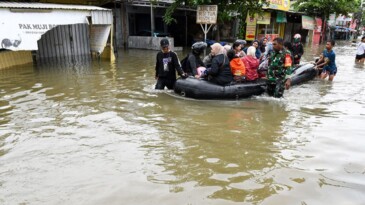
(280, 67)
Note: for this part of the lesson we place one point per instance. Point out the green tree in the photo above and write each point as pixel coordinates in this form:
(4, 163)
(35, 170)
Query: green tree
(227, 9)
(324, 8)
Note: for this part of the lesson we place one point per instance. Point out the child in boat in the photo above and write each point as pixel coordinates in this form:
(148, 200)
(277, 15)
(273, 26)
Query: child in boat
(237, 66)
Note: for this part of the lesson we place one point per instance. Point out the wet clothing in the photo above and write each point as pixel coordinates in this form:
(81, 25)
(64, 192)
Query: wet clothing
(193, 62)
(166, 66)
(252, 64)
(360, 52)
(220, 72)
(331, 66)
(360, 49)
(279, 70)
(276, 89)
(297, 50)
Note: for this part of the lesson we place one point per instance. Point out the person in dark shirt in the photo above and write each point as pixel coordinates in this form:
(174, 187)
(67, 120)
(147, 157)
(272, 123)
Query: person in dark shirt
(193, 59)
(167, 63)
(219, 72)
(297, 48)
(262, 44)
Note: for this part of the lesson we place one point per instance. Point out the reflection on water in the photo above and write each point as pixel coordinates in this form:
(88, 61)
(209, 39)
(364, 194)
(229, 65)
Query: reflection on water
(100, 134)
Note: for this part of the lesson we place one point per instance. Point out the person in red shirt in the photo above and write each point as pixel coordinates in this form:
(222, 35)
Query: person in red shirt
(251, 64)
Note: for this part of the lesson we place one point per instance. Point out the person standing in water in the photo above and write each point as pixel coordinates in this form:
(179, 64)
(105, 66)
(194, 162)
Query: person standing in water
(360, 53)
(279, 70)
(330, 68)
(167, 63)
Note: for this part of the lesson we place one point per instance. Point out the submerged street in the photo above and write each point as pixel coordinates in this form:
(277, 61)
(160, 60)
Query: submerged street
(100, 134)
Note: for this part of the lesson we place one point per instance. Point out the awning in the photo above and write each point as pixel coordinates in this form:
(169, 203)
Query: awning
(308, 22)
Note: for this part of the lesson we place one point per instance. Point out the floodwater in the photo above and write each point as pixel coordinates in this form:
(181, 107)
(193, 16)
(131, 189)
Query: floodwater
(100, 134)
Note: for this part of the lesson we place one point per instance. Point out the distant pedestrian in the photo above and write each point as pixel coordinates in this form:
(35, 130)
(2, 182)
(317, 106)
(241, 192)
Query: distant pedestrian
(330, 69)
(360, 53)
(167, 63)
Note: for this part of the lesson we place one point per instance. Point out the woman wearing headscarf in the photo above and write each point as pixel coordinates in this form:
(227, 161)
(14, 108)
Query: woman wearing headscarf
(251, 64)
(219, 72)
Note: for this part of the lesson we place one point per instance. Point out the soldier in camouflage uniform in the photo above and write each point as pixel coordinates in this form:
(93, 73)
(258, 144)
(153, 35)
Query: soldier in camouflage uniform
(279, 70)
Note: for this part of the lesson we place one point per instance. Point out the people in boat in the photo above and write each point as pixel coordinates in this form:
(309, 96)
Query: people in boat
(251, 63)
(237, 66)
(238, 46)
(227, 47)
(264, 60)
(279, 70)
(219, 72)
(298, 50)
(360, 53)
(194, 64)
(167, 64)
(255, 44)
(330, 68)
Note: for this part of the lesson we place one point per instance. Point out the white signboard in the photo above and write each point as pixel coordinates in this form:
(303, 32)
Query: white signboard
(22, 30)
(98, 37)
(207, 14)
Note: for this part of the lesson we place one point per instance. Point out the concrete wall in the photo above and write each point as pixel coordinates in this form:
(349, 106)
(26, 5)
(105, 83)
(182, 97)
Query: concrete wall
(146, 42)
(14, 58)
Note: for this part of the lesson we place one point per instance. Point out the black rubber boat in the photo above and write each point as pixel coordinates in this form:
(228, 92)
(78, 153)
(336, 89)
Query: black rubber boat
(202, 89)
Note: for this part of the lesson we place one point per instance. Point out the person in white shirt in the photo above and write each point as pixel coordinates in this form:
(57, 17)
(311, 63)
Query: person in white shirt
(360, 53)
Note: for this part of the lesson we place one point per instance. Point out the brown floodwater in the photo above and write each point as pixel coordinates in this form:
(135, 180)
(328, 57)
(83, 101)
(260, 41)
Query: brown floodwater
(98, 133)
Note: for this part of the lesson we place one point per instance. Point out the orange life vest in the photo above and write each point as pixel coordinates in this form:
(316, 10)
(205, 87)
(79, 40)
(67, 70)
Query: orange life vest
(238, 68)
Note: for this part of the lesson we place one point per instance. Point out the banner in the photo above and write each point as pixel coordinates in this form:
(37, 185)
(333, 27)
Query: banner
(332, 20)
(318, 27)
(22, 30)
(264, 18)
(250, 28)
(282, 5)
(281, 17)
(308, 22)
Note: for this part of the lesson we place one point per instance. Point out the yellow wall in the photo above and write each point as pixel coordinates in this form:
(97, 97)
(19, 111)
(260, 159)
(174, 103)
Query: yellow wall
(14, 58)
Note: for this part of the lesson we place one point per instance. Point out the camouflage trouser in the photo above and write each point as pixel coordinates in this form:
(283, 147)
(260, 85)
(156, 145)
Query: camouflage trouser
(276, 88)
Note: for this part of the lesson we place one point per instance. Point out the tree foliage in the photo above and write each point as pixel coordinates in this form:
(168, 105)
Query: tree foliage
(326, 7)
(227, 9)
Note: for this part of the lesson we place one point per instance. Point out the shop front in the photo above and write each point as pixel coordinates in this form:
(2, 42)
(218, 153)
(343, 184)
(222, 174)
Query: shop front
(270, 24)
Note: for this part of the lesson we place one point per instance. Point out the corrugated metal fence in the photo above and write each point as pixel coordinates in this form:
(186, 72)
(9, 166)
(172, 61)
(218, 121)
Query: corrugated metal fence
(64, 42)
